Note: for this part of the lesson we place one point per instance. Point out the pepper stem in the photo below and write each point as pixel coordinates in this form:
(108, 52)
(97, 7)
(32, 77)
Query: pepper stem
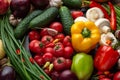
(86, 32)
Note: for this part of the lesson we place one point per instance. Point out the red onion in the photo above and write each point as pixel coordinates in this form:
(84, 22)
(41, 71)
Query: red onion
(20, 8)
(40, 4)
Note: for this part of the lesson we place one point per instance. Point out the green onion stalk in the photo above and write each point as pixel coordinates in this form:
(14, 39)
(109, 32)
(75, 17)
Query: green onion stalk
(26, 69)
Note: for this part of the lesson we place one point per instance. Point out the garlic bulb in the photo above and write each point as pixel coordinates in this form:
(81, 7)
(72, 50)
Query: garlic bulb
(56, 3)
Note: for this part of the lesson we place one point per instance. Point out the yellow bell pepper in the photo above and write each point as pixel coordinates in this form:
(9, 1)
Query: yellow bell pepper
(85, 36)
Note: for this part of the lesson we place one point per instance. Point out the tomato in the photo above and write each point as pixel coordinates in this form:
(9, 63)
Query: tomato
(47, 71)
(59, 64)
(101, 0)
(39, 60)
(68, 63)
(76, 14)
(49, 50)
(60, 36)
(47, 39)
(68, 52)
(105, 79)
(59, 50)
(67, 41)
(116, 76)
(57, 26)
(43, 32)
(36, 46)
(34, 35)
(48, 57)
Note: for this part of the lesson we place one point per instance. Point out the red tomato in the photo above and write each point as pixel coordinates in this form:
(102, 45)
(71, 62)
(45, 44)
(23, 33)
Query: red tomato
(34, 35)
(59, 64)
(76, 14)
(47, 39)
(43, 32)
(68, 63)
(57, 26)
(49, 50)
(67, 41)
(39, 60)
(59, 50)
(48, 57)
(105, 79)
(116, 76)
(68, 52)
(36, 46)
(47, 71)
(60, 36)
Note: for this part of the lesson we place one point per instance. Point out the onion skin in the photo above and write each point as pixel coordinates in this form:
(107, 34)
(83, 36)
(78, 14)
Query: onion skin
(67, 75)
(40, 4)
(20, 8)
(7, 73)
(4, 5)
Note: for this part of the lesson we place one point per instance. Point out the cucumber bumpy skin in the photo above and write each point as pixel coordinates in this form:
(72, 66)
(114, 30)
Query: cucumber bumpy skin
(45, 18)
(66, 19)
(22, 27)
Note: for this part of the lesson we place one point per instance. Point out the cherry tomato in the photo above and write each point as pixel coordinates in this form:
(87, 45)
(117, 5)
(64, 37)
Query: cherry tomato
(39, 60)
(76, 14)
(105, 79)
(48, 57)
(67, 41)
(36, 46)
(60, 36)
(59, 64)
(57, 26)
(116, 76)
(68, 52)
(43, 32)
(49, 50)
(47, 71)
(34, 35)
(55, 75)
(47, 39)
(59, 50)
(68, 63)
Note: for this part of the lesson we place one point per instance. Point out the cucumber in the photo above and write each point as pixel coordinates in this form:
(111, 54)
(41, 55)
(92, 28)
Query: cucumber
(72, 3)
(22, 27)
(45, 18)
(66, 19)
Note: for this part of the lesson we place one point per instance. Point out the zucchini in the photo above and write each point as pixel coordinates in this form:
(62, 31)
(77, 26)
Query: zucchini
(45, 18)
(22, 27)
(72, 3)
(66, 19)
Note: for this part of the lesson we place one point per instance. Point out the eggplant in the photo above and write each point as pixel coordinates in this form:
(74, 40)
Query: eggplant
(20, 8)
(7, 73)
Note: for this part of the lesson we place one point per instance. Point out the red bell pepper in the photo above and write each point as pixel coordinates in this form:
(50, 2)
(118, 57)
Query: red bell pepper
(113, 16)
(105, 58)
(95, 4)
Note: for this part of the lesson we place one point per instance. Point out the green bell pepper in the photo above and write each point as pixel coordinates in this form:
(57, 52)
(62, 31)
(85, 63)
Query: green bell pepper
(82, 66)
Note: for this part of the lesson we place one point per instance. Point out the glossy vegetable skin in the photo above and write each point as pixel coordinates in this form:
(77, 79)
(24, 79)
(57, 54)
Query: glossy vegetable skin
(85, 35)
(20, 8)
(7, 73)
(82, 66)
(105, 58)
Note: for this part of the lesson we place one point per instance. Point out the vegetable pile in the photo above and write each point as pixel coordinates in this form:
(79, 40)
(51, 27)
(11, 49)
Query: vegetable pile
(59, 39)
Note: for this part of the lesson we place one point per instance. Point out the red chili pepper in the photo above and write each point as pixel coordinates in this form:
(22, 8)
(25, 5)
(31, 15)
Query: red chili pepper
(113, 16)
(95, 4)
(105, 58)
